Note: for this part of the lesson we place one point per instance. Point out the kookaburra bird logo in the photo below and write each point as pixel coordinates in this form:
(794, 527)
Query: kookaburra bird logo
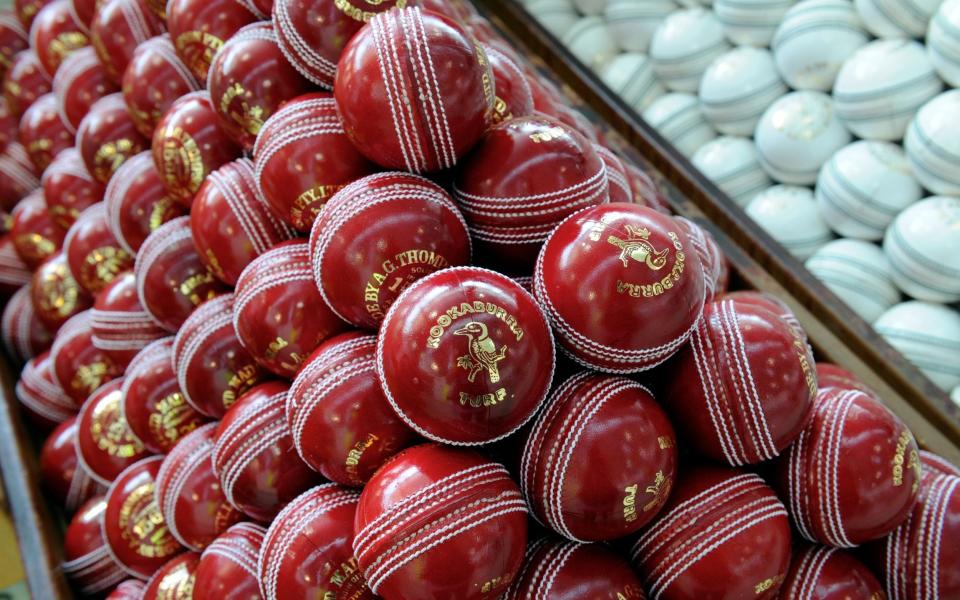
(482, 353)
(638, 247)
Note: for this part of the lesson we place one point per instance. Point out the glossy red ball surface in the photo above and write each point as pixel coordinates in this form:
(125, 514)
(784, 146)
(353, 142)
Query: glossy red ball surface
(440, 522)
(137, 203)
(120, 326)
(68, 485)
(45, 402)
(153, 80)
(18, 176)
(171, 279)
(175, 579)
(307, 551)
(35, 235)
(107, 137)
(55, 33)
(426, 105)
(853, 474)
(118, 27)
(105, 445)
(303, 157)
(93, 253)
(135, 531)
(823, 573)
(716, 269)
(79, 84)
(767, 301)
(9, 124)
(83, 11)
(341, 423)
(566, 570)
(56, 295)
(131, 589)
(78, 366)
(646, 190)
(24, 335)
(831, 375)
(43, 133)
(198, 29)
(228, 566)
(25, 81)
(13, 39)
(514, 98)
(278, 314)
(523, 178)
(724, 535)
(619, 187)
(189, 494)
(69, 188)
(14, 273)
(465, 356)
(934, 464)
(254, 456)
(26, 10)
(379, 235)
(87, 561)
(622, 285)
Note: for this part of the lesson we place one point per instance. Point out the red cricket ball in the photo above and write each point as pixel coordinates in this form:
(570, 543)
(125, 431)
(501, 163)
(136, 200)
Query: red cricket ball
(440, 522)
(87, 561)
(524, 177)
(278, 314)
(69, 188)
(231, 223)
(198, 29)
(716, 525)
(189, 495)
(254, 457)
(107, 136)
(153, 405)
(43, 132)
(55, 293)
(619, 187)
(303, 157)
(379, 235)
(743, 389)
(14, 273)
(307, 551)
(131, 589)
(78, 366)
(105, 445)
(152, 82)
(171, 278)
(137, 203)
(934, 464)
(93, 253)
(118, 27)
(26, 10)
(408, 103)
(767, 301)
(45, 402)
(84, 11)
(514, 98)
(63, 479)
(822, 573)
(228, 566)
(560, 569)
(25, 81)
(716, 269)
(13, 39)
(313, 33)
(622, 285)
(18, 176)
(121, 328)
(35, 235)
(853, 474)
(79, 84)
(136, 534)
(55, 33)
(600, 460)
(212, 367)
(831, 375)
(24, 335)
(336, 396)
(465, 356)
(646, 191)
(175, 579)
(9, 123)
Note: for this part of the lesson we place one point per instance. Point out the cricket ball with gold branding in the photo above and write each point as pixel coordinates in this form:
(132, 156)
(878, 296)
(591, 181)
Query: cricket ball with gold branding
(831, 375)
(254, 457)
(524, 177)
(622, 285)
(556, 568)
(93, 253)
(87, 561)
(55, 33)
(303, 157)
(172, 280)
(188, 144)
(410, 104)
(118, 27)
(105, 445)
(137, 203)
(228, 566)
(79, 367)
(618, 186)
(853, 474)
(377, 236)
(249, 79)
(514, 98)
(121, 328)
(153, 80)
(212, 367)
(43, 133)
(336, 396)
(767, 301)
(153, 405)
(716, 524)
(14, 273)
(465, 356)
(18, 175)
(13, 39)
(198, 29)
(56, 295)
(8, 123)
(175, 579)
(24, 335)
(44, 401)
(742, 390)
(68, 484)
(440, 522)
(136, 534)
(313, 535)
(107, 136)
(69, 188)
(231, 223)
(716, 270)
(189, 494)
(25, 81)
(592, 420)
(824, 573)
(278, 314)
(35, 235)
(131, 589)
(79, 84)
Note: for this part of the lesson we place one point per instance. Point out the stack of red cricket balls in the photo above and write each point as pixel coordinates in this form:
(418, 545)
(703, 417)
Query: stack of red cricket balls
(294, 344)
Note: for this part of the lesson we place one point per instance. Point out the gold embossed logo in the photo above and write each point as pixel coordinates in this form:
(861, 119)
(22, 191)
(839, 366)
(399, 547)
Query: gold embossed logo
(659, 489)
(545, 135)
(171, 418)
(102, 265)
(89, 377)
(238, 383)
(58, 291)
(197, 48)
(312, 202)
(39, 246)
(912, 462)
(160, 212)
(396, 274)
(142, 526)
(630, 592)
(111, 155)
(176, 584)
(183, 169)
(250, 116)
(65, 43)
(358, 14)
(767, 584)
(189, 288)
(110, 430)
(637, 246)
(482, 354)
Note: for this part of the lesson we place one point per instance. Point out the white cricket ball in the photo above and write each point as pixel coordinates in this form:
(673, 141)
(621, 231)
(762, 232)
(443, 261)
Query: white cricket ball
(678, 118)
(933, 144)
(751, 22)
(732, 163)
(631, 76)
(943, 42)
(590, 41)
(737, 87)
(558, 16)
(896, 18)
(684, 46)
(923, 246)
(790, 215)
(632, 22)
(928, 335)
(590, 7)
(858, 273)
